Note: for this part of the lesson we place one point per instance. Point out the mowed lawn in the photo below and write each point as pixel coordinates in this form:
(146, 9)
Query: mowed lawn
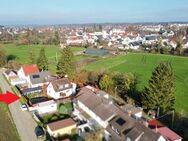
(8, 131)
(21, 52)
(143, 65)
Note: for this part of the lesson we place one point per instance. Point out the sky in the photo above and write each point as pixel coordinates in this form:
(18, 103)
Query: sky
(44, 12)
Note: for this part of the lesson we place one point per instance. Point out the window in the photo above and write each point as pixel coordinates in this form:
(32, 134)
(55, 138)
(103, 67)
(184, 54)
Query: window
(128, 139)
(66, 85)
(62, 94)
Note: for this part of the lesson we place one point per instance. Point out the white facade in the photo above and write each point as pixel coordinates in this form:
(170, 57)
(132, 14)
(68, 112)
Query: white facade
(21, 74)
(45, 107)
(42, 109)
(18, 81)
(57, 95)
(10, 75)
(30, 85)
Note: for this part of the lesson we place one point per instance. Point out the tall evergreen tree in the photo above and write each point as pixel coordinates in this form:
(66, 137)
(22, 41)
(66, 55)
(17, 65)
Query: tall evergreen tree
(65, 65)
(56, 39)
(32, 56)
(42, 61)
(159, 94)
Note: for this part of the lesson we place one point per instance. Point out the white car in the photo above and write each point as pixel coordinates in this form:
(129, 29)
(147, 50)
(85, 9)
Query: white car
(24, 107)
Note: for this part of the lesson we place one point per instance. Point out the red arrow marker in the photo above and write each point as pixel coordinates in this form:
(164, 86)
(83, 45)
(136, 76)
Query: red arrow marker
(8, 98)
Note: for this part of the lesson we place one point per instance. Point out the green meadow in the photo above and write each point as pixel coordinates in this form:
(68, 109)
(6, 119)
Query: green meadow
(143, 64)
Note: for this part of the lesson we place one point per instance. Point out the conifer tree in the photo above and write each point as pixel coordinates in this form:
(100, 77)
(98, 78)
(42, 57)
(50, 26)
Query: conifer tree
(65, 65)
(159, 94)
(32, 56)
(42, 61)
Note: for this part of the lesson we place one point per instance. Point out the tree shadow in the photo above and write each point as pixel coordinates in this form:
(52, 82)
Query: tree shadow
(180, 124)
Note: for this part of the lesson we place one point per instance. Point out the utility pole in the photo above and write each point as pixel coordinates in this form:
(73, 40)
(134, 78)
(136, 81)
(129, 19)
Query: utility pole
(158, 111)
(172, 119)
(115, 92)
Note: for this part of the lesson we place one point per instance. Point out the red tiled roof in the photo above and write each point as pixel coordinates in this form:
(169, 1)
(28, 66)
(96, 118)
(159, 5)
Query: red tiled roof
(155, 123)
(168, 134)
(29, 69)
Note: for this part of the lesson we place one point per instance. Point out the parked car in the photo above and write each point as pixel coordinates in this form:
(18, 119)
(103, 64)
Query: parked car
(39, 132)
(24, 107)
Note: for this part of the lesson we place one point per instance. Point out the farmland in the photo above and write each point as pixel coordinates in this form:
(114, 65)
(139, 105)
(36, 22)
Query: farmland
(143, 65)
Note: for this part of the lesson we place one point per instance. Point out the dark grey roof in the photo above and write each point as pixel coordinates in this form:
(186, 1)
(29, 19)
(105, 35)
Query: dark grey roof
(134, 133)
(40, 77)
(126, 126)
(9, 71)
(185, 41)
(38, 100)
(31, 90)
(143, 133)
(61, 84)
(151, 38)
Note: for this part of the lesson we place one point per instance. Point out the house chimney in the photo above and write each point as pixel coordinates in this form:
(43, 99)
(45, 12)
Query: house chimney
(146, 124)
(156, 129)
(129, 112)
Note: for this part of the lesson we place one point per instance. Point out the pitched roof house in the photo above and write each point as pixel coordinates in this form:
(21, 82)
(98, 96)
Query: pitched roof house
(39, 79)
(26, 70)
(94, 105)
(117, 123)
(61, 127)
(60, 88)
(168, 134)
(43, 105)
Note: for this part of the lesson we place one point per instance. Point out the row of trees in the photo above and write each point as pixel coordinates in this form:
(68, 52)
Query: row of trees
(165, 48)
(32, 37)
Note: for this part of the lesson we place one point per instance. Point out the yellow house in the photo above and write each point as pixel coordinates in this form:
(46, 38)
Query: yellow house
(61, 127)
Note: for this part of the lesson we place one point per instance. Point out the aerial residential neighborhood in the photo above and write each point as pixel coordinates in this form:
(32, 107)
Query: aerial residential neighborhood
(93, 70)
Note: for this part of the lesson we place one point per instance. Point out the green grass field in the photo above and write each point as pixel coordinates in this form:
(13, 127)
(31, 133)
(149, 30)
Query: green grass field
(140, 64)
(21, 53)
(143, 65)
(8, 130)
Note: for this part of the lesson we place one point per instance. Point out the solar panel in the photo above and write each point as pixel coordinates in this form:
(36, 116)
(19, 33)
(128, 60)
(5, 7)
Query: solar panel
(120, 121)
(36, 76)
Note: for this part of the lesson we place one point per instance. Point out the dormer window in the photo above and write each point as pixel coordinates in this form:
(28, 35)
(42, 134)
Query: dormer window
(66, 85)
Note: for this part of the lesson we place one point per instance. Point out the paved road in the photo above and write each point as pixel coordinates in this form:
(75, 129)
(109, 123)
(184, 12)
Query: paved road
(23, 119)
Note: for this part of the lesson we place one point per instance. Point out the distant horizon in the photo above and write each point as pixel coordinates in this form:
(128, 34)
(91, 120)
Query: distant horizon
(48, 12)
(99, 23)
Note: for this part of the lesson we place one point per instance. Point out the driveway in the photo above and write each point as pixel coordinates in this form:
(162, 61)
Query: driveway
(23, 119)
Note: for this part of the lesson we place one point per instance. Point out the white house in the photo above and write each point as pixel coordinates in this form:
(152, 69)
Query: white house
(60, 88)
(94, 105)
(39, 79)
(10, 74)
(14, 79)
(49, 106)
(26, 70)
